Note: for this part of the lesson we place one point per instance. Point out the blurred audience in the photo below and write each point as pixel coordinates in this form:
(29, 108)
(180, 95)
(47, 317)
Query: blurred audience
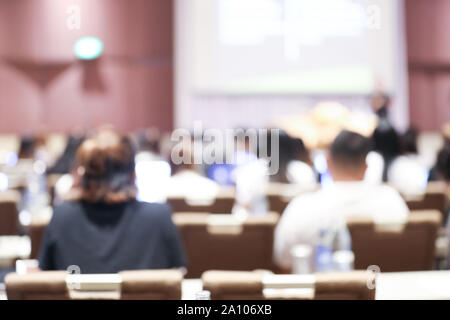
(187, 180)
(348, 196)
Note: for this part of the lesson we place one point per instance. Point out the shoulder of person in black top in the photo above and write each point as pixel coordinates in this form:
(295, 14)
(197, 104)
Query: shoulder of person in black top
(141, 221)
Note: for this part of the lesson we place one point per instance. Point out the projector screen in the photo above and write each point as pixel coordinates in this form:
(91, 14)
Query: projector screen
(292, 46)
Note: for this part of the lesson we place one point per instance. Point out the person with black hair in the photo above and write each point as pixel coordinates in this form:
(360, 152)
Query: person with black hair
(441, 172)
(443, 163)
(65, 162)
(27, 148)
(348, 196)
(386, 141)
(294, 163)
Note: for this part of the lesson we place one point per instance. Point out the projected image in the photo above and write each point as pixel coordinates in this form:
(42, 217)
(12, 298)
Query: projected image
(297, 46)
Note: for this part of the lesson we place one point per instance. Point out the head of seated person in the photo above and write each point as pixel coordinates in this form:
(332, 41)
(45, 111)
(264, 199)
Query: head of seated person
(386, 140)
(347, 156)
(27, 147)
(408, 141)
(105, 168)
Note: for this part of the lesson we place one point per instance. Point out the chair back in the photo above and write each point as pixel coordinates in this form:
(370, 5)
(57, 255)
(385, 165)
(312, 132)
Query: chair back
(151, 285)
(126, 285)
(36, 233)
(216, 205)
(48, 285)
(435, 198)
(225, 242)
(408, 247)
(9, 218)
(239, 285)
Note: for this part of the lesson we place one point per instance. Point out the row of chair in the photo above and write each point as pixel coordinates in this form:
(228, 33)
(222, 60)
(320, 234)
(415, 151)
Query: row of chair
(226, 242)
(436, 197)
(167, 284)
(222, 242)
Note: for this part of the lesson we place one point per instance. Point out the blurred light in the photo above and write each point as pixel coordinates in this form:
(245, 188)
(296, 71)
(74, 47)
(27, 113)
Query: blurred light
(39, 167)
(242, 157)
(25, 217)
(221, 173)
(88, 48)
(3, 182)
(326, 180)
(320, 163)
(151, 180)
(11, 159)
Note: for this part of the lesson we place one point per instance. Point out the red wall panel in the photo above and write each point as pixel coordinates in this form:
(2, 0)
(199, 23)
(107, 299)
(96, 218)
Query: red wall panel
(428, 38)
(43, 86)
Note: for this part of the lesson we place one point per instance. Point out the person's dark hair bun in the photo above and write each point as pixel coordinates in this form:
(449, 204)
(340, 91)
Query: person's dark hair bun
(107, 163)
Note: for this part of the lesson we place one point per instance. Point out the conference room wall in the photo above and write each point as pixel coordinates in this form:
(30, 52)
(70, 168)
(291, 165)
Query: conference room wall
(43, 87)
(428, 25)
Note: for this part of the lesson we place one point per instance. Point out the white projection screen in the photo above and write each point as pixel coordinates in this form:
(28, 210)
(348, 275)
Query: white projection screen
(292, 46)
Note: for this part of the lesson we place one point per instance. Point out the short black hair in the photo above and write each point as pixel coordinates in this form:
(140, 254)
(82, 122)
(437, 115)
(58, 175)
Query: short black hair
(386, 140)
(350, 149)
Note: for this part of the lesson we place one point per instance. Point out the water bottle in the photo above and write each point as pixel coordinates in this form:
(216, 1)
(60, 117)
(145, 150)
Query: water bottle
(36, 197)
(301, 259)
(343, 257)
(342, 239)
(324, 251)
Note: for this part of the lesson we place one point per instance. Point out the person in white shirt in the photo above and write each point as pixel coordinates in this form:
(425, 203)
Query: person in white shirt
(408, 172)
(348, 196)
(187, 181)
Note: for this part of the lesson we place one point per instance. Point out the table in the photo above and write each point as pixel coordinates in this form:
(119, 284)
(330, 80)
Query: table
(421, 285)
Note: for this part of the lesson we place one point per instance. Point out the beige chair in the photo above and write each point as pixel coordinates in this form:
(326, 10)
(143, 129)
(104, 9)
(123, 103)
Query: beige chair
(36, 233)
(223, 203)
(408, 247)
(9, 219)
(126, 285)
(277, 202)
(279, 195)
(225, 242)
(239, 285)
(151, 285)
(435, 198)
(49, 285)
